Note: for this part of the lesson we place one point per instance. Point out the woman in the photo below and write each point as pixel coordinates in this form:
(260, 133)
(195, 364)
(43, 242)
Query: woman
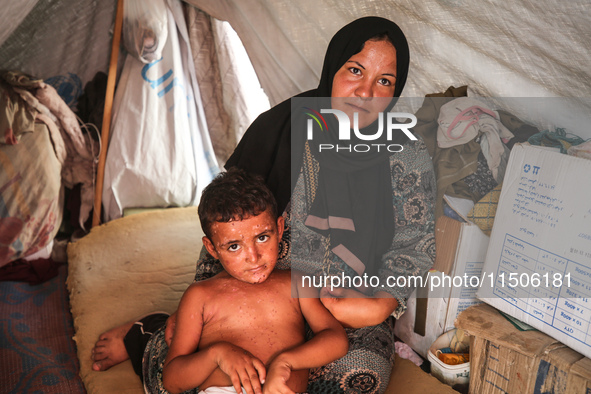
(365, 60)
(368, 58)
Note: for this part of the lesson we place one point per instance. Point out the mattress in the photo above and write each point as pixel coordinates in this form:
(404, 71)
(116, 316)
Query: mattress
(124, 269)
(143, 263)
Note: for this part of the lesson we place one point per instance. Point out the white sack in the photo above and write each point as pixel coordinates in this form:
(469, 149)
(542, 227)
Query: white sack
(160, 154)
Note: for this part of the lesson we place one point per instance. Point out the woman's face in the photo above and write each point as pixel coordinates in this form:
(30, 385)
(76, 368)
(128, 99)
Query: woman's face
(367, 75)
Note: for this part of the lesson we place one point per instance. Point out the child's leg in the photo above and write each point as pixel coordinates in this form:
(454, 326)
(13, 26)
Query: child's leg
(137, 337)
(114, 346)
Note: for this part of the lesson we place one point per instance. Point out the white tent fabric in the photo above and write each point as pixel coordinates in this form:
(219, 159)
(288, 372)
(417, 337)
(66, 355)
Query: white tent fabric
(207, 71)
(57, 38)
(231, 93)
(520, 48)
(243, 97)
(13, 16)
(160, 154)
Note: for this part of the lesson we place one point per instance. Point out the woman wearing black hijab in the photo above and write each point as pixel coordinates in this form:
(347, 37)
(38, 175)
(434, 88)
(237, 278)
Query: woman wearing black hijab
(402, 242)
(367, 58)
(266, 148)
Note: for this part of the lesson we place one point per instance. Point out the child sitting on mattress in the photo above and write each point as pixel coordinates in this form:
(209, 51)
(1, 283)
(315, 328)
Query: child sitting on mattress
(240, 330)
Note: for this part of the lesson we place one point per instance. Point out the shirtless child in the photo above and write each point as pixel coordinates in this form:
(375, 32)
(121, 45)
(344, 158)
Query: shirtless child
(242, 328)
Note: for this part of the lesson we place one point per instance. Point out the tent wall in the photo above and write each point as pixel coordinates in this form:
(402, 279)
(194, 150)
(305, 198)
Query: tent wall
(520, 48)
(68, 38)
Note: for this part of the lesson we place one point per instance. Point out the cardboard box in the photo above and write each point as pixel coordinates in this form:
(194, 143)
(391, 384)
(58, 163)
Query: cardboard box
(435, 318)
(538, 265)
(504, 359)
(461, 248)
(469, 262)
(579, 379)
(408, 378)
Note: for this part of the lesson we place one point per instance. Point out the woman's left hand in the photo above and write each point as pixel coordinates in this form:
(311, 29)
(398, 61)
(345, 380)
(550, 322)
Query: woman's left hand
(169, 330)
(354, 309)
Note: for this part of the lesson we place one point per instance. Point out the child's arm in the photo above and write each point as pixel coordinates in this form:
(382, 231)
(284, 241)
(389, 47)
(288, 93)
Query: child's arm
(329, 343)
(185, 369)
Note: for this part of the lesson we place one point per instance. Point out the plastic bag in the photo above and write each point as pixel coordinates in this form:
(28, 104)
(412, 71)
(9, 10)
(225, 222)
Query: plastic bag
(144, 29)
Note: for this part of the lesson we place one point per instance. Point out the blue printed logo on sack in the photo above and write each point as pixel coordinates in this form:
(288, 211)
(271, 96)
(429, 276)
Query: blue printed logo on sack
(155, 83)
(387, 123)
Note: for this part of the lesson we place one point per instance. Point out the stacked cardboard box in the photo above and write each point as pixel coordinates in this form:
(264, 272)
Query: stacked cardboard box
(461, 248)
(538, 264)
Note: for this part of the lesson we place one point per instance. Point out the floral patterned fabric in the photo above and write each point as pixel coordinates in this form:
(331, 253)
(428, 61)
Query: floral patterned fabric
(412, 251)
(365, 368)
(30, 210)
(154, 356)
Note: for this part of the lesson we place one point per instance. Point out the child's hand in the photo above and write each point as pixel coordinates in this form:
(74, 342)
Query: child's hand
(244, 369)
(279, 373)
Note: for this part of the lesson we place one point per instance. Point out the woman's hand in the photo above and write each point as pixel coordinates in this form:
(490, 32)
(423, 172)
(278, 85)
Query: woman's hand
(169, 331)
(279, 373)
(354, 309)
(244, 369)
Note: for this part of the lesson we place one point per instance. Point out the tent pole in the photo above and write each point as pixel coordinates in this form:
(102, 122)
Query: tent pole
(100, 175)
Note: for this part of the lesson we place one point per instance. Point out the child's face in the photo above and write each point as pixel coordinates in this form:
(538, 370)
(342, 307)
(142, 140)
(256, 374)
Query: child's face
(247, 248)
